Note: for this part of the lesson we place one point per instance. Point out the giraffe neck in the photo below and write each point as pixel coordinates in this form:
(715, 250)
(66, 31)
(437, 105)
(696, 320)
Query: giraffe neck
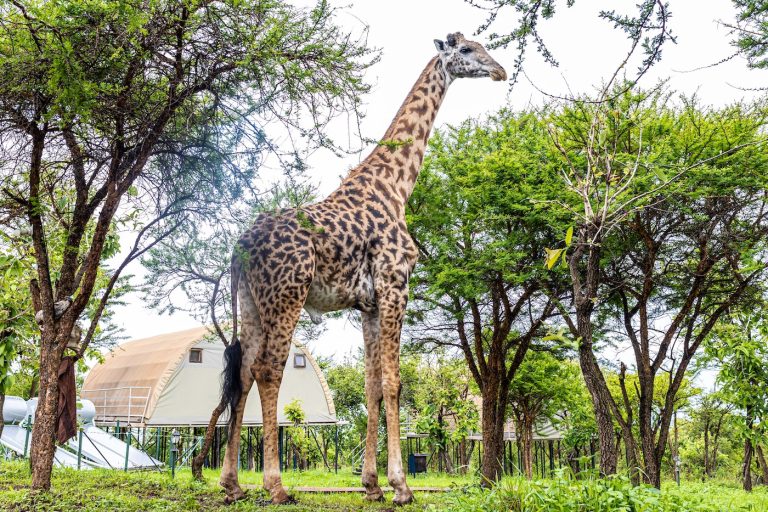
(393, 166)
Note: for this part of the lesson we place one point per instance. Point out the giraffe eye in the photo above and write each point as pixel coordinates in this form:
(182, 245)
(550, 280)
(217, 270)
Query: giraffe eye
(465, 50)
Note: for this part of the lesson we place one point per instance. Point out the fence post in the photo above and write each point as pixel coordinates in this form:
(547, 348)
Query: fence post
(79, 447)
(127, 447)
(336, 452)
(26, 436)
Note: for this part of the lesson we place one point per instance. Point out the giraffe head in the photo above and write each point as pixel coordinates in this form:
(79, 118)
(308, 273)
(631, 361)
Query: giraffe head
(463, 58)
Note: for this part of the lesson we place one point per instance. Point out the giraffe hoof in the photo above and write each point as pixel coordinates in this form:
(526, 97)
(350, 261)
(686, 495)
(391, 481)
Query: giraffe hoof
(403, 498)
(234, 496)
(374, 494)
(280, 497)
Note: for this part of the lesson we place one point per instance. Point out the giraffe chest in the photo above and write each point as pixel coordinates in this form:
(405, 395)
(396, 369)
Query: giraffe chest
(342, 280)
(328, 292)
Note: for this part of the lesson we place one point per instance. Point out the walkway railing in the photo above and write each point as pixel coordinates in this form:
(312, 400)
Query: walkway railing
(126, 405)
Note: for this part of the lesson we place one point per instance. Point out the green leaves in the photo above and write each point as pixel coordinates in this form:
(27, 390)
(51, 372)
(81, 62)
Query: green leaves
(553, 255)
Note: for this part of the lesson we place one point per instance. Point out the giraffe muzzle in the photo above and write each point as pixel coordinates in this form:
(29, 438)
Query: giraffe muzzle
(498, 74)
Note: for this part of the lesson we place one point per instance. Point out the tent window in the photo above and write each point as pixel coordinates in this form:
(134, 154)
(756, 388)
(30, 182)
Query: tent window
(299, 361)
(196, 355)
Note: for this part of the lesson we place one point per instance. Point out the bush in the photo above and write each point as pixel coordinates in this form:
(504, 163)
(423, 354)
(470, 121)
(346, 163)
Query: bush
(563, 493)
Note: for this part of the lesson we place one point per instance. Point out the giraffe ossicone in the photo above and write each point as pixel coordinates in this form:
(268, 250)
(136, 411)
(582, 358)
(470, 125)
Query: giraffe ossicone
(350, 250)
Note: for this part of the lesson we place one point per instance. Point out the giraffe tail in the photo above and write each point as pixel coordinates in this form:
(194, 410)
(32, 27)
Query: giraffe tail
(231, 382)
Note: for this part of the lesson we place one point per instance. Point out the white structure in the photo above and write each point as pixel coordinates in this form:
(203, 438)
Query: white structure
(175, 380)
(91, 448)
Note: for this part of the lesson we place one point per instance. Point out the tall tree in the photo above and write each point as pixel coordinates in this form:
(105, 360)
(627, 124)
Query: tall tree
(669, 225)
(478, 287)
(153, 106)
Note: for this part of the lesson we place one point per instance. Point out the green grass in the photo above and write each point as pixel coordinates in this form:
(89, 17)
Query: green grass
(345, 478)
(103, 490)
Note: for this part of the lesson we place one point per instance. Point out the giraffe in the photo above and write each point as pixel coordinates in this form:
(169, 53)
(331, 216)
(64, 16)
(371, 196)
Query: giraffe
(350, 250)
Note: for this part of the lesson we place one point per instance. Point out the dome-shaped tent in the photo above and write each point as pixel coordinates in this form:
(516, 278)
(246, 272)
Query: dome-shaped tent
(174, 379)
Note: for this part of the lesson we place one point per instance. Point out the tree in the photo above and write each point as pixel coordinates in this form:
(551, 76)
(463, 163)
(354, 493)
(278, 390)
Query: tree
(626, 390)
(19, 349)
(750, 31)
(155, 107)
(15, 320)
(739, 349)
(668, 225)
(538, 391)
(478, 287)
(298, 440)
(710, 418)
(647, 30)
(443, 406)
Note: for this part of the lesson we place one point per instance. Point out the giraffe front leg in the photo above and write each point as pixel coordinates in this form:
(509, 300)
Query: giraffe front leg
(392, 309)
(373, 395)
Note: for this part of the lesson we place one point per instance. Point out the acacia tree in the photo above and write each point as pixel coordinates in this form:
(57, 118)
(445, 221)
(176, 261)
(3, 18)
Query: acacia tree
(152, 106)
(478, 287)
(669, 225)
(647, 30)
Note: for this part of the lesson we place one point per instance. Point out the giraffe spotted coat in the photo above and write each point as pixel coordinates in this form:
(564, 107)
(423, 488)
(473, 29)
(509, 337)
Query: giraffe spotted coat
(351, 250)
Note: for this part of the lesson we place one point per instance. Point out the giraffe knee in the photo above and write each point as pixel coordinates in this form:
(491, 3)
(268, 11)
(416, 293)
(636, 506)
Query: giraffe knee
(269, 373)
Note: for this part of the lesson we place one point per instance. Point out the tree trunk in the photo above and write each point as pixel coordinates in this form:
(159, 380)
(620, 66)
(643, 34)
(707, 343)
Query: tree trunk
(573, 460)
(763, 465)
(598, 391)
(715, 449)
(746, 469)
(197, 462)
(446, 457)
(706, 449)
(43, 445)
(525, 433)
(633, 465)
(33, 386)
(463, 456)
(493, 431)
(651, 460)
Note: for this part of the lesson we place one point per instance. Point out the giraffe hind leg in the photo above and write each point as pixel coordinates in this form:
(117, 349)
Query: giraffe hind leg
(279, 313)
(267, 371)
(238, 380)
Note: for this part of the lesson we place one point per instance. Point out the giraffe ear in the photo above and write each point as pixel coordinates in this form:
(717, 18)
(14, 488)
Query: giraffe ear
(439, 45)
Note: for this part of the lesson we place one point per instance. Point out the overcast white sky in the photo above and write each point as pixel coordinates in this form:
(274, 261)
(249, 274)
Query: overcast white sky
(587, 48)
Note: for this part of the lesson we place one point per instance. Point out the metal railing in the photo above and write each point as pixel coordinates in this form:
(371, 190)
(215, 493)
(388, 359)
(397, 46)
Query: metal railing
(127, 404)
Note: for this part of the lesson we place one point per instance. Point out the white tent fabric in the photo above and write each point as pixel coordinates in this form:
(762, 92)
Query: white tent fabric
(181, 392)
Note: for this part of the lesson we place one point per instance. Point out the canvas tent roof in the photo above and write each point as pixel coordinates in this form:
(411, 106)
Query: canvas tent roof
(154, 382)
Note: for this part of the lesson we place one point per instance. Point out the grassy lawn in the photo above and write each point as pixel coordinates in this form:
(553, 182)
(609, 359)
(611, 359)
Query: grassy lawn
(153, 491)
(345, 478)
(102, 490)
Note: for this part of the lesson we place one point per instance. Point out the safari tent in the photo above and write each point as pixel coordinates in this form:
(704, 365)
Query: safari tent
(174, 380)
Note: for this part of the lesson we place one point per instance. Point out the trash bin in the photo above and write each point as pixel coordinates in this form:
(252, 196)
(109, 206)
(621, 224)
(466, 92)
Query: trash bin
(417, 463)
